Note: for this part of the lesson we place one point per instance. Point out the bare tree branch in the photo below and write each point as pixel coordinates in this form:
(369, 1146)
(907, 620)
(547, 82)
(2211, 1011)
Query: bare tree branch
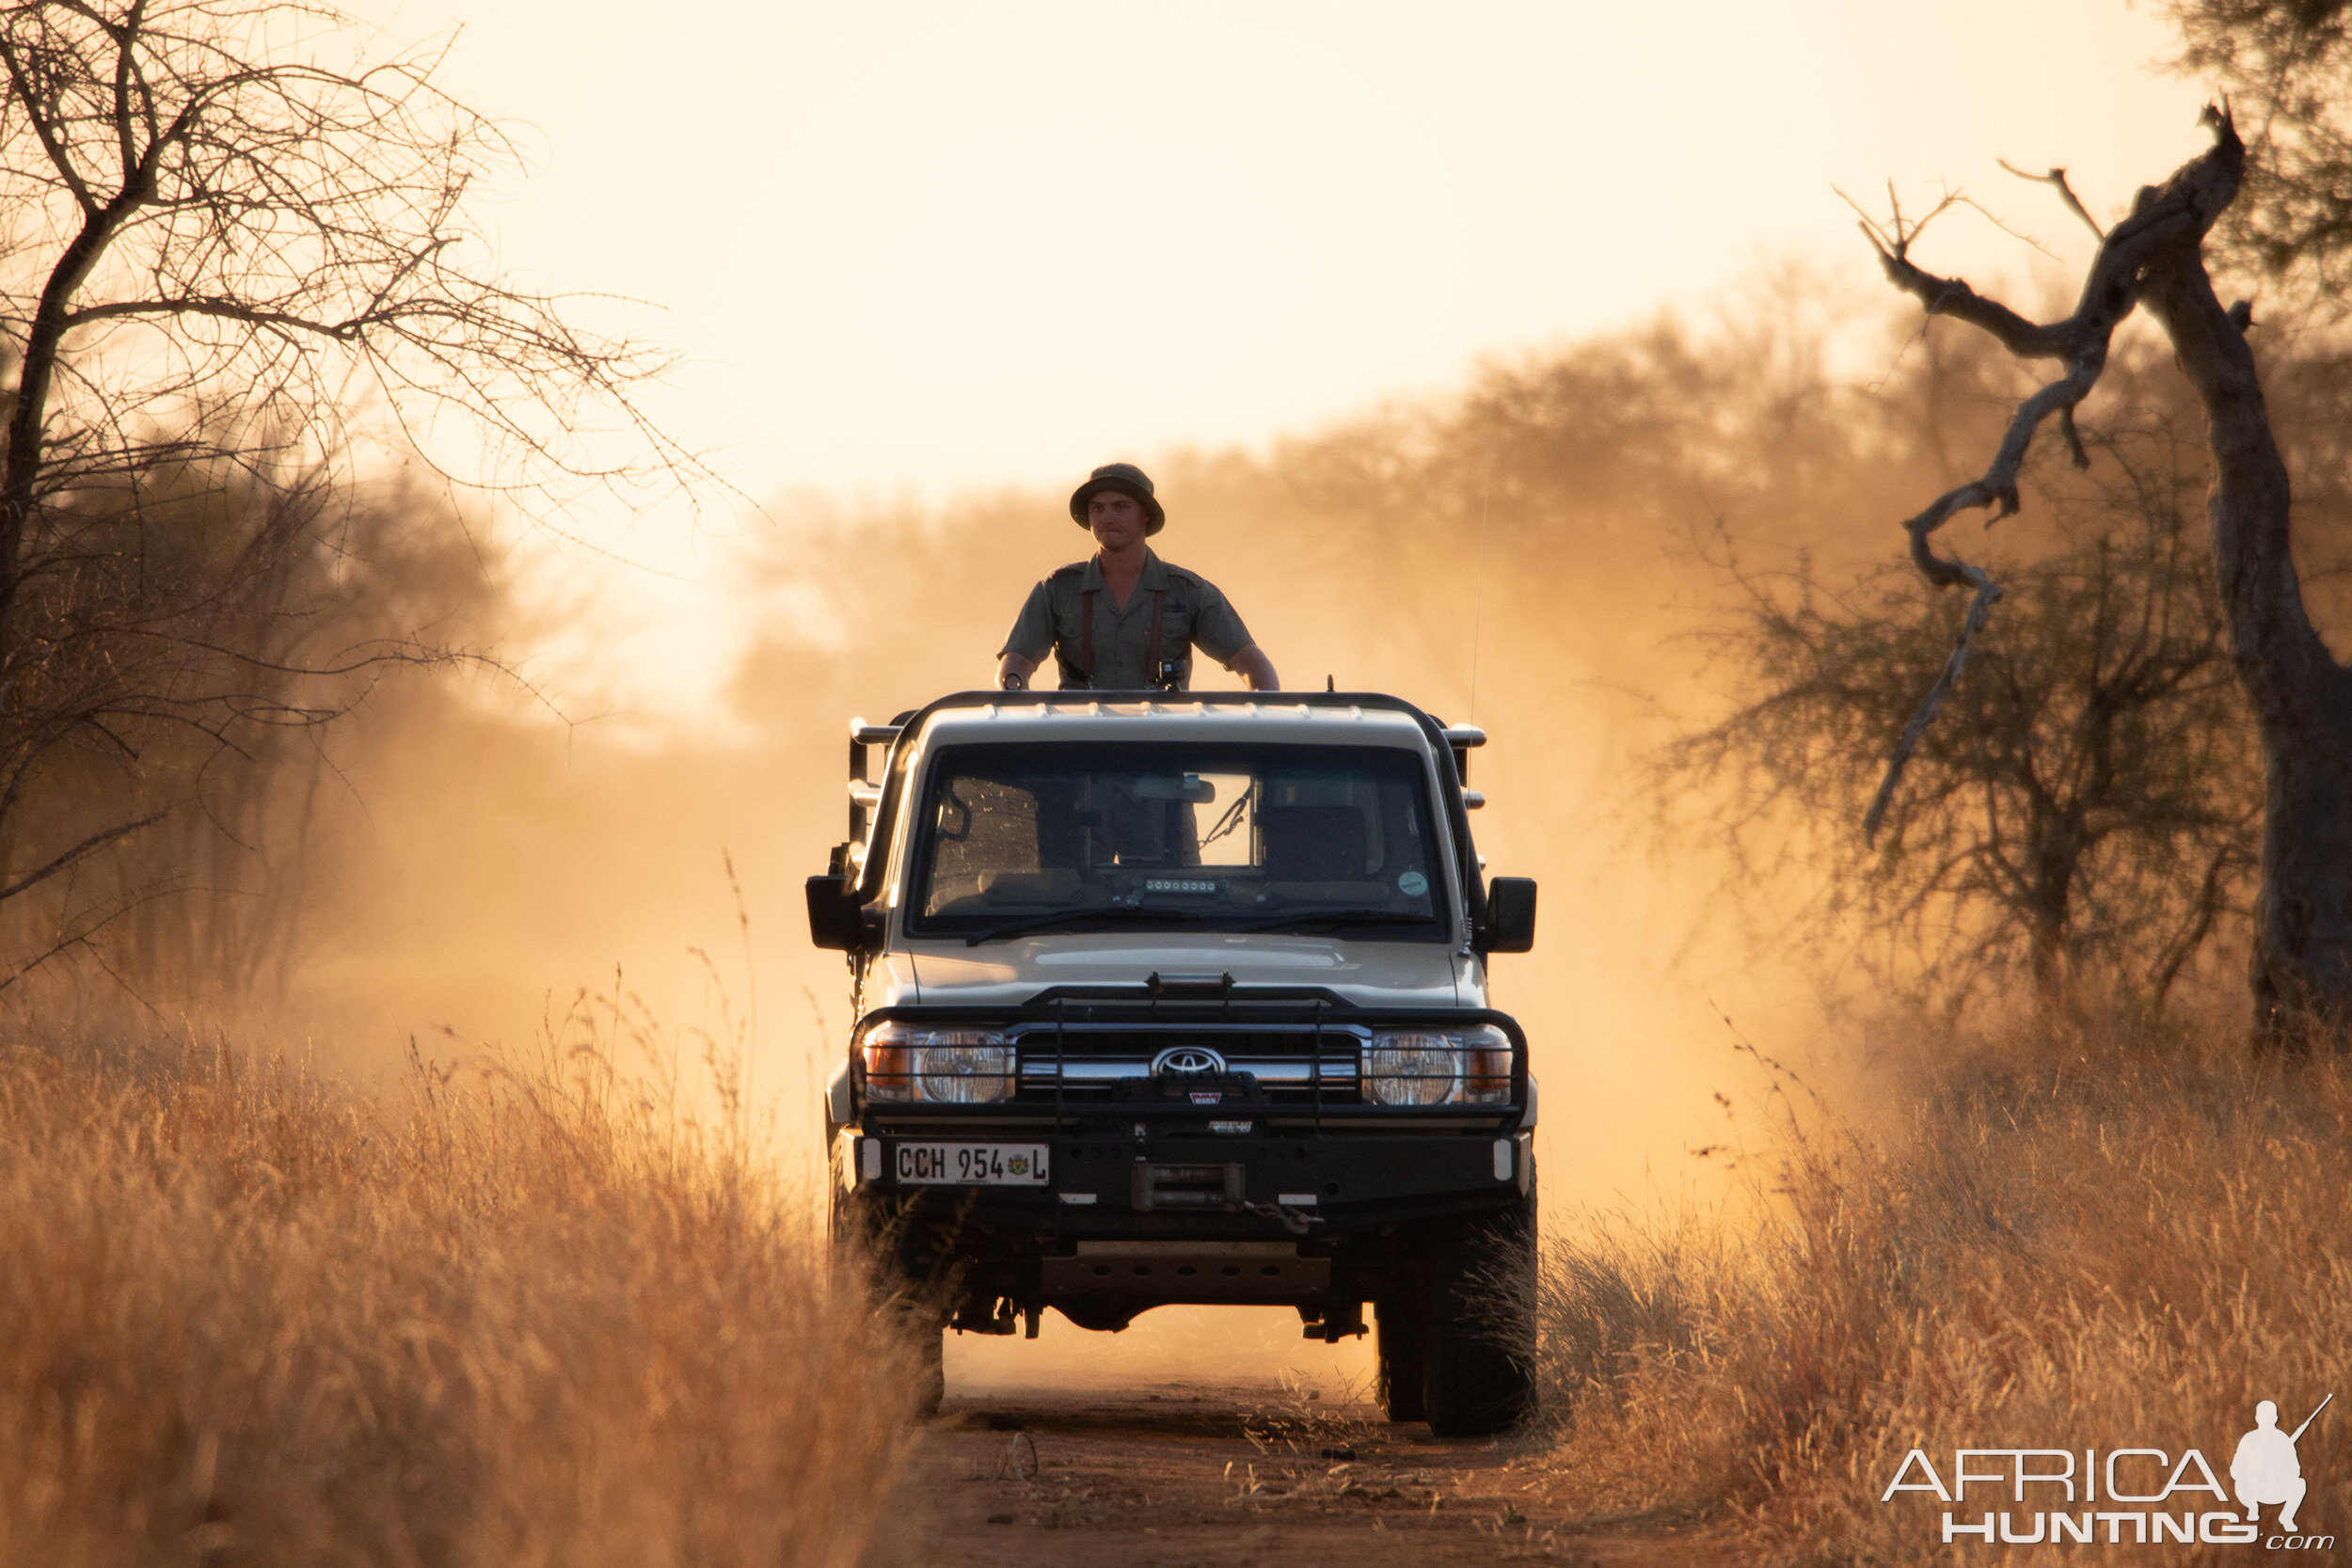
(2057, 177)
(80, 852)
(2163, 220)
(1980, 607)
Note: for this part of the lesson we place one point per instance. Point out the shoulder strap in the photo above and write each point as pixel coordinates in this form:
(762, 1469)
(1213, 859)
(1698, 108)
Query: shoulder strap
(1086, 633)
(1159, 602)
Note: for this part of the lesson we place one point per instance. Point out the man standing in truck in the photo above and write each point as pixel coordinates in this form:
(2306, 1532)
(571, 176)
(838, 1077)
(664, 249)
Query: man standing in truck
(1125, 620)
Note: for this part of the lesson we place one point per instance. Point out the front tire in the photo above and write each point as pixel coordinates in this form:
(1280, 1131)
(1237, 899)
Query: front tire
(851, 1227)
(1480, 1374)
(1399, 1341)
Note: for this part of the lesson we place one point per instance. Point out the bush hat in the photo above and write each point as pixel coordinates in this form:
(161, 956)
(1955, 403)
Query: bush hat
(1127, 480)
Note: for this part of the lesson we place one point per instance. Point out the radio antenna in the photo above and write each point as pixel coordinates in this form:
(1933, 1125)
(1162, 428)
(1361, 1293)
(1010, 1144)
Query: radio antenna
(1478, 618)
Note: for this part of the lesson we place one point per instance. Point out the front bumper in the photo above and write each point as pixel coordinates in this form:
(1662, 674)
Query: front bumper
(1272, 1178)
(1136, 1217)
(1132, 1179)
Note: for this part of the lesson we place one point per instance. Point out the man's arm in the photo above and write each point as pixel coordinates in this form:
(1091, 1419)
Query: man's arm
(1253, 665)
(1216, 624)
(1033, 628)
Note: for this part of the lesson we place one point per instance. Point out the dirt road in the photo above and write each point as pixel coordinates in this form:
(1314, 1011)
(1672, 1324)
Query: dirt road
(1173, 1475)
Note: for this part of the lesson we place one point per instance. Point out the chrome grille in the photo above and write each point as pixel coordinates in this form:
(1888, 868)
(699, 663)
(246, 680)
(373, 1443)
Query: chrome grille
(1293, 1064)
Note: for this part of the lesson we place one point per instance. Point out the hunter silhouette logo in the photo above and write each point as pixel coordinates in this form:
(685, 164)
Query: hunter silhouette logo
(2266, 1470)
(2125, 1496)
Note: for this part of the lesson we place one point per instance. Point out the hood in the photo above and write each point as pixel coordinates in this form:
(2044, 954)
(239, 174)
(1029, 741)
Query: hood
(1370, 974)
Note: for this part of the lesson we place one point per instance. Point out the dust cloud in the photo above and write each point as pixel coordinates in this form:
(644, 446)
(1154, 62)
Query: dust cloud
(1531, 556)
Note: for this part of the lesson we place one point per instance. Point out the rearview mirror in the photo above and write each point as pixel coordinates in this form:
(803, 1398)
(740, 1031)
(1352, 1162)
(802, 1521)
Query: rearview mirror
(836, 918)
(1191, 789)
(1510, 922)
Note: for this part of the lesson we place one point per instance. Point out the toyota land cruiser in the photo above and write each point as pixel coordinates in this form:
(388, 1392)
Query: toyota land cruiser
(1183, 998)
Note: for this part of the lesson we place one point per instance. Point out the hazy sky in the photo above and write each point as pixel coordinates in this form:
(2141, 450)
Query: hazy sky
(931, 243)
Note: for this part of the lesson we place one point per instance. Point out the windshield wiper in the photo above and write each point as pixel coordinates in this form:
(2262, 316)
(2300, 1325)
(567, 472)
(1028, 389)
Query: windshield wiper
(1335, 917)
(1079, 917)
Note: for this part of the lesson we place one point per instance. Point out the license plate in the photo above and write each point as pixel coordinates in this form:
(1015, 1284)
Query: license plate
(923, 1164)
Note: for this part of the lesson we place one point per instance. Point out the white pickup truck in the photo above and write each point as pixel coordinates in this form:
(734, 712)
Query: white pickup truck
(1183, 998)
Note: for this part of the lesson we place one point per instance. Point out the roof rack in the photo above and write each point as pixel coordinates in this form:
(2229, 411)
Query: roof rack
(994, 698)
(1459, 738)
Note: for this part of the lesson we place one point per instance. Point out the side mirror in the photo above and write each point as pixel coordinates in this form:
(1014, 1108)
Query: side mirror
(835, 917)
(1510, 924)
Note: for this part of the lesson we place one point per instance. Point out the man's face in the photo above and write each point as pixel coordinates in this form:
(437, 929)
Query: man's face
(1117, 519)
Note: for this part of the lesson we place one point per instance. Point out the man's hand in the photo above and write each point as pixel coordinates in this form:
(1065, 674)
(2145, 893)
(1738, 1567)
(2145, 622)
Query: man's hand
(1013, 671)
(1253, 666)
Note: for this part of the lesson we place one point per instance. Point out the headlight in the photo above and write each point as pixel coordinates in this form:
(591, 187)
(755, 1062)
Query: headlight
(948, 1067)
(1413, 1067)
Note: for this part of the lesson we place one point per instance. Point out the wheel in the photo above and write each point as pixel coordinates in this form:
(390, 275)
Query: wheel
(851, 1228)
(1400, 1340)
(1478, 1375)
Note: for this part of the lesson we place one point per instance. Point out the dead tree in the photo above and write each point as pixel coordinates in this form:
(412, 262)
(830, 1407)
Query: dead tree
(236, 242)
(220, 201)
(2301, 698)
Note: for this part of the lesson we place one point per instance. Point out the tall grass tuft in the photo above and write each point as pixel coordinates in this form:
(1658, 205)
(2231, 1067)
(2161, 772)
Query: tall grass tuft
(530, 1315)
(2097, 1240)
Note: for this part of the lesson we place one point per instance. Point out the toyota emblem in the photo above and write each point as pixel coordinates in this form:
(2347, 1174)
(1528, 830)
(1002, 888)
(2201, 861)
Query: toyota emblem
(1187, 1061)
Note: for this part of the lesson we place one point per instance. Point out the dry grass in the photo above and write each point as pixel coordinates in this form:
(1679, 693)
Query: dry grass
(1295, 1417)
(526, 1317)
(2078, 1242)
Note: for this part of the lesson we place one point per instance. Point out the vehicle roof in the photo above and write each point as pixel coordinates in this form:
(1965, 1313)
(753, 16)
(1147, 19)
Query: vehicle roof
(1017, 718)
(1327, 717)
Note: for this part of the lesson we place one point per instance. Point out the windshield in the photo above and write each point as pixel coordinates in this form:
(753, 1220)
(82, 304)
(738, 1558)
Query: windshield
(1236, 837)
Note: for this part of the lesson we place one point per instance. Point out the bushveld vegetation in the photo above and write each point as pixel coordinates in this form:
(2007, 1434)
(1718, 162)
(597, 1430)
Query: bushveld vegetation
(2041, 1236)
(243, 282)
(2101, 1223)
(2070, 1238)
(521, 1312)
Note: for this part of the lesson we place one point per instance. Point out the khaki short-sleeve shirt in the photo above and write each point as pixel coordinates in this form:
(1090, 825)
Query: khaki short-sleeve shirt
(1190, 610)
